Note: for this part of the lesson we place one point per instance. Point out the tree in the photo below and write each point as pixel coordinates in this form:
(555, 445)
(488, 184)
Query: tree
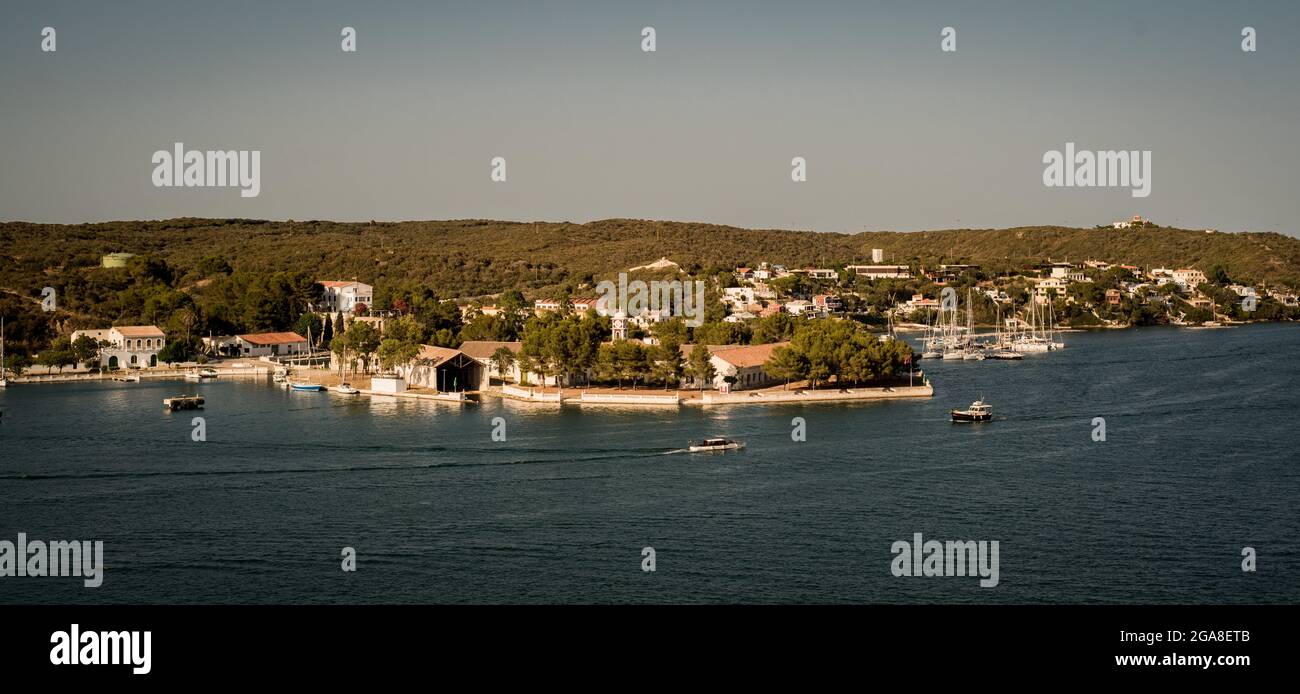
(176, 351)
(56, 359)
(85, 349)
(16, 364)
(503, 358)
(401, 342)
(669, 366)
(700, 365)
(309, 324)
(362, 340)
(786, 364)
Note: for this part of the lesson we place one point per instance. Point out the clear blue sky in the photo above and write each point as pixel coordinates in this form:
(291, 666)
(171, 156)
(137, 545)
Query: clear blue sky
(897, 134)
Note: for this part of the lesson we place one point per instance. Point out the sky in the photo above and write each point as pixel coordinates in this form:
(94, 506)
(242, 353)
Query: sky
(897, 133)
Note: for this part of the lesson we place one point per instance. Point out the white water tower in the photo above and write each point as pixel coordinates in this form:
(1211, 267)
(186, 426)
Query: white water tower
(877, 255)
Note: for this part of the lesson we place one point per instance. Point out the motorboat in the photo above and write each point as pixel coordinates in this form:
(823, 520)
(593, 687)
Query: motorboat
(307, 387)
(979, 411)
(714, 444)
(207, 373)
(346, 389)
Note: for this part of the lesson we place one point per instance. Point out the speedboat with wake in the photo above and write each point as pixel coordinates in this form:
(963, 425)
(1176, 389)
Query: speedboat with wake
(714, 444)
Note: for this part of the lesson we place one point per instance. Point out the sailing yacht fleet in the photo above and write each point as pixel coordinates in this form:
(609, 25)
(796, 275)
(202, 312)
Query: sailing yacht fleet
(947, 339)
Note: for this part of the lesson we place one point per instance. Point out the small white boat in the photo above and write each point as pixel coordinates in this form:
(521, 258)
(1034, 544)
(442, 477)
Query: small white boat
(973, 355)
(207, 373)
(131, 378)
(346, 389)
(714, 444)
(191, 376)
(307, 387)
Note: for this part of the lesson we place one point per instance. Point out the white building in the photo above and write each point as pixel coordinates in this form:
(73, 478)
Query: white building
(1044, 288)
(130, 346)
(799, 307)
(741, 368)
(877, 255)
(827, 303)
(344, 296)
(1188, 278)
(1061, 270)
(270, 344)
(881, 271)
(738, 296)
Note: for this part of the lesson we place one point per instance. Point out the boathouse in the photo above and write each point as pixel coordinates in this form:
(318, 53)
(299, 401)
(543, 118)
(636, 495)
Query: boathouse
(445, 370)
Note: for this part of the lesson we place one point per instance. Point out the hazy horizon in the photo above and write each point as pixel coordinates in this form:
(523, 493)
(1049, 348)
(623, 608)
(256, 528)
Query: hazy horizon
(897, 134)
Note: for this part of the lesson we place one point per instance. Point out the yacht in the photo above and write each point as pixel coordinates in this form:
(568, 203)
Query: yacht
(977, 412)
(714, 444)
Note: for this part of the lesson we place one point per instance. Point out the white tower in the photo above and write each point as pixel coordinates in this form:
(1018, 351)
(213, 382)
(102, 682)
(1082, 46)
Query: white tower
(619, 322)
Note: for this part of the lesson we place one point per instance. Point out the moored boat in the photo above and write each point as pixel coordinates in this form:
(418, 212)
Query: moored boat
(207, 373)
(307, 387)
(346, 389)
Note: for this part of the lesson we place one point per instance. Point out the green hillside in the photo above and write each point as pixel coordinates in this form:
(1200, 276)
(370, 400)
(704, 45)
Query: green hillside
(473, 257)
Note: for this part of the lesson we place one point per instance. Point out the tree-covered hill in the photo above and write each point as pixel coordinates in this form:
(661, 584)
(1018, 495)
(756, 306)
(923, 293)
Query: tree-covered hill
(477, 257)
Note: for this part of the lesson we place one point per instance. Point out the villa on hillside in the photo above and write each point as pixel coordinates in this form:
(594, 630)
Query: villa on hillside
(1188, 278)
(341, 295)
(130, 346)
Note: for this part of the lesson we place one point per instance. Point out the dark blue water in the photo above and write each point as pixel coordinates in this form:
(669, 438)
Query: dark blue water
(1200, 461)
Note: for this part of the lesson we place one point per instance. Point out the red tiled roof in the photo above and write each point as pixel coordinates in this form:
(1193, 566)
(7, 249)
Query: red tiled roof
(138, 331)
(753, 355)
(272, 338)
(484, 349)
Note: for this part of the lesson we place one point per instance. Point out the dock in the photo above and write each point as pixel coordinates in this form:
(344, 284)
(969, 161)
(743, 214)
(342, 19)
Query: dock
(184, 402)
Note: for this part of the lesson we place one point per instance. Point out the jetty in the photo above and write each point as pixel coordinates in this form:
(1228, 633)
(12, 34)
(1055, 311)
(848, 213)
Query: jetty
(184, 402)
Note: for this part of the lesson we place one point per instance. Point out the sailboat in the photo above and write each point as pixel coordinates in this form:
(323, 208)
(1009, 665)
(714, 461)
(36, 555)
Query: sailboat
(307, 385)
(1001, 343)
(973, 351)
(4, 382)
